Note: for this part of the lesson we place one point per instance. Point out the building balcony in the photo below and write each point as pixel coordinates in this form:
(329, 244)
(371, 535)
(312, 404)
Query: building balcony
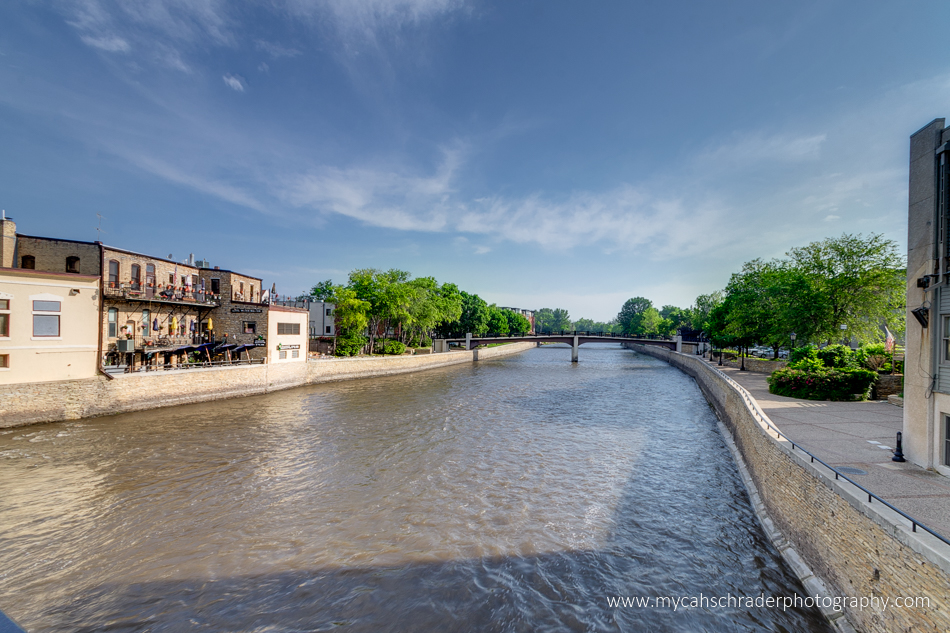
(160, 294)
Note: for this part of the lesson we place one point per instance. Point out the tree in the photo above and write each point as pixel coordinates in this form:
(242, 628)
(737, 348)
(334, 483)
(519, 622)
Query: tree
(704, 304)
(351, 321)
(323, 290)
(498, 320)
(860, 283)
(475, 315)
(547, 320)
(631, 314)
(518, 323)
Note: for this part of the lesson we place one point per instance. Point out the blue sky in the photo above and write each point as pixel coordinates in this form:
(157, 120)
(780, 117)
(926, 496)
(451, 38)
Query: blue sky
(541, 154)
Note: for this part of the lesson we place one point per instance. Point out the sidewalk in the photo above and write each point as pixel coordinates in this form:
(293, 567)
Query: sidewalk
(856, 435)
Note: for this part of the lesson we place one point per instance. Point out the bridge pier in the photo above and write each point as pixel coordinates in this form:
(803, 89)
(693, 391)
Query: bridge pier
(574, 350)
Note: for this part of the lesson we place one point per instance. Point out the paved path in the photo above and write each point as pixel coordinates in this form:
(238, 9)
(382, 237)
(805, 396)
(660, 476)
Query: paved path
(859, 435)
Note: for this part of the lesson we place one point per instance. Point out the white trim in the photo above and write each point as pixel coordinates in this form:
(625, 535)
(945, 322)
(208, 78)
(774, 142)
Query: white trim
(92, 285)
(4, 349)
(46, 338)
(46, 296)
(5, 295)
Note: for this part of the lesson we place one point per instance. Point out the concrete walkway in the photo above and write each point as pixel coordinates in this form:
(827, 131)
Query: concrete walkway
(857, 435)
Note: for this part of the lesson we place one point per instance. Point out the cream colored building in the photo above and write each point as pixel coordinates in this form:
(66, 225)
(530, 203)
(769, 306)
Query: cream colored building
(287, 334)
(49, 326)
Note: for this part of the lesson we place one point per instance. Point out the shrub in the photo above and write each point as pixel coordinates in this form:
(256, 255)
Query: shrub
(837, 356)
(425, 342)
(801, 353)
(393, 347)
(350, 345)
(822, 384)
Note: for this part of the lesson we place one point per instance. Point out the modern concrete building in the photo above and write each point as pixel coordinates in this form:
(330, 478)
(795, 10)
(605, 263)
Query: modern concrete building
(927, 367)
(49, 326)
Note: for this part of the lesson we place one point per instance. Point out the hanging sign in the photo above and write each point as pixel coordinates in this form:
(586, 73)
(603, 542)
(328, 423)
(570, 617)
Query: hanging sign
(246, 310)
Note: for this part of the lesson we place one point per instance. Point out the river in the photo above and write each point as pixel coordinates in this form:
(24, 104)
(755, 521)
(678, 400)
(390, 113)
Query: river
(516, 494)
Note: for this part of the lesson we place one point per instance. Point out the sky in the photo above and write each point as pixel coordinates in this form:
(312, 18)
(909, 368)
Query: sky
(537, 153)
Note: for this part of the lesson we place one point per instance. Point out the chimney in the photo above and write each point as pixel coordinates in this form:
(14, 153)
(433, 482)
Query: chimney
(217, 268)
(7, 241)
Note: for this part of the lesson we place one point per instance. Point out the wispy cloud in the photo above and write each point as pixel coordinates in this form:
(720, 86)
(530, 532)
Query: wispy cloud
(109, 43)
(750, 149)
(234, 82)
(276, 50)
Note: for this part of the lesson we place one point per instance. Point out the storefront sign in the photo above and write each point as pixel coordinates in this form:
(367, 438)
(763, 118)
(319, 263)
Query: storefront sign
(245, 310)
(260, 343)
(283, 346)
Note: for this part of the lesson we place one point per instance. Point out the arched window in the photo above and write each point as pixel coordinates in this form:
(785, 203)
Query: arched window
(136, 277)
(113, 274)
(28, 262)
(72, 264)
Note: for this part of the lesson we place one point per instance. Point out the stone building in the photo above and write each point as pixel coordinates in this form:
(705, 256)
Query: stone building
(48, 326)
(241, 316)
(926, 427)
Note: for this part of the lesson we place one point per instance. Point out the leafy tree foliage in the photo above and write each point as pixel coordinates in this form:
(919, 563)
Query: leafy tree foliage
(632, 315)
(498, 320)
(548, 320)
(518, 323)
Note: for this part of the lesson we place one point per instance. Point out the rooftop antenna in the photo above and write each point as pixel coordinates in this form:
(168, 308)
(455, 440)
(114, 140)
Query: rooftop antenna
(99, 230)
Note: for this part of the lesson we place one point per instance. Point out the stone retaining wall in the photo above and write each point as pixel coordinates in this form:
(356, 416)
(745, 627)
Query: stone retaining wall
(856, 548)
(756, 364)
(34, 403)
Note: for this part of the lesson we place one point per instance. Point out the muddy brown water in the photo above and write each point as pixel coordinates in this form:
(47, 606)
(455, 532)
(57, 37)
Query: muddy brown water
(510, 495)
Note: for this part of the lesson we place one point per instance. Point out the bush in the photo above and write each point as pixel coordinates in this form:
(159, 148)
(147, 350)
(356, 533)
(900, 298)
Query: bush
(837, 356)
(393, 347)
(425, 342)
(822, 384)
(801, 353)
(349, 345)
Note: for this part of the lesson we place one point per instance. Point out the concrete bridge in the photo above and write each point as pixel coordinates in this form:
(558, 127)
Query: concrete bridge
(574, 339)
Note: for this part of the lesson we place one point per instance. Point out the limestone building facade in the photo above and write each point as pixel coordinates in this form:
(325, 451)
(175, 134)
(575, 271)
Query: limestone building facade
(926, 426)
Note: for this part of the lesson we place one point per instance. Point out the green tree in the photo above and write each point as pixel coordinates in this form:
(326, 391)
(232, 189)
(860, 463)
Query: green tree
(498, 320)
(351, 320)
(704, 304)
(859, 281)
(518, 323)
(323, 290)
(547, 320)
(632, 313)
(475, 315)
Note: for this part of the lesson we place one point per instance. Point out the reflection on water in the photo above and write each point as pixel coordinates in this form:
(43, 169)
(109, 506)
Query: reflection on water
(509, 495)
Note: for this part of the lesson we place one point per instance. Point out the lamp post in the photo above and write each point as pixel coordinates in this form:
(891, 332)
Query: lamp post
(720, 354)
(742, 352)
(792, 336)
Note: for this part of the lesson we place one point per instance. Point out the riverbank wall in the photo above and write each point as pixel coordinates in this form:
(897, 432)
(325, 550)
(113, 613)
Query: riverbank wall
(839, 543)
(39, 402)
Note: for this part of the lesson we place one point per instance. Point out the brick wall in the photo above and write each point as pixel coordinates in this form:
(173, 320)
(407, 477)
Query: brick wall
(856, 548)
(73, 399)
(51, 254)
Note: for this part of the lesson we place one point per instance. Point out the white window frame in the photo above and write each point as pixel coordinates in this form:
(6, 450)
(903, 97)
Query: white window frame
(59, 313)
(4, 296)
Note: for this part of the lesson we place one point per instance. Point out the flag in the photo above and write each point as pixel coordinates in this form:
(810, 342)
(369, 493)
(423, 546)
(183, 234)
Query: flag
(888, 341)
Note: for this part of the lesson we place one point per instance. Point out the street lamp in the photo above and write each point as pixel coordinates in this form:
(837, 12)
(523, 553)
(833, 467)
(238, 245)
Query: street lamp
(720, 354)
(792, 336)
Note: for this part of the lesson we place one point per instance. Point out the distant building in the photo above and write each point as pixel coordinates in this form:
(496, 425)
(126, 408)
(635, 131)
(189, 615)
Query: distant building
(287, 339)
(322, 315)
(528, 314)
(926, 428)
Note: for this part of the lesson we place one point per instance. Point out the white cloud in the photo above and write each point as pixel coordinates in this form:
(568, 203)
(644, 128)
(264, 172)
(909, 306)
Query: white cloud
(109, 43)
(276, 50)
(832, 218)
(750, 149)
(234, 82)
(263, 67)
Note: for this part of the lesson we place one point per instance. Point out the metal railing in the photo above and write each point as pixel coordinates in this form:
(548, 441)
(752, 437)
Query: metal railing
(764, 419)
(148, 368)
(130, 292)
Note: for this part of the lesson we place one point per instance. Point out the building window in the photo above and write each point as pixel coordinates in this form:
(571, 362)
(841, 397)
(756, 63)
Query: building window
(946, 440)
(4, 318)
(28, 262)
(150, 275)
(146, 319)
(282, 355)
(46, 318)
(288, 328)
(113, 274)
(136, 277)
(328, 330)
(251, 296)
(171, 279)
(295, 353)
(250, 327)
(4, 361)
(328, 311)
(113, 322)
(72, 264)
(215, 286)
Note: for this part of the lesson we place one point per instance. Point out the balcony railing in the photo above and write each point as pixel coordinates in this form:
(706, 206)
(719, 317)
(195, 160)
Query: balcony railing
(133, 291)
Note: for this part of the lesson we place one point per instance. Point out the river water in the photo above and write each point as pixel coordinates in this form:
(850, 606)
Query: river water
(510, 495)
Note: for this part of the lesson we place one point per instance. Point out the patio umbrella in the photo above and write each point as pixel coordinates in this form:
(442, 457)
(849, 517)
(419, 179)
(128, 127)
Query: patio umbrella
(174, 324)
(210, 324)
